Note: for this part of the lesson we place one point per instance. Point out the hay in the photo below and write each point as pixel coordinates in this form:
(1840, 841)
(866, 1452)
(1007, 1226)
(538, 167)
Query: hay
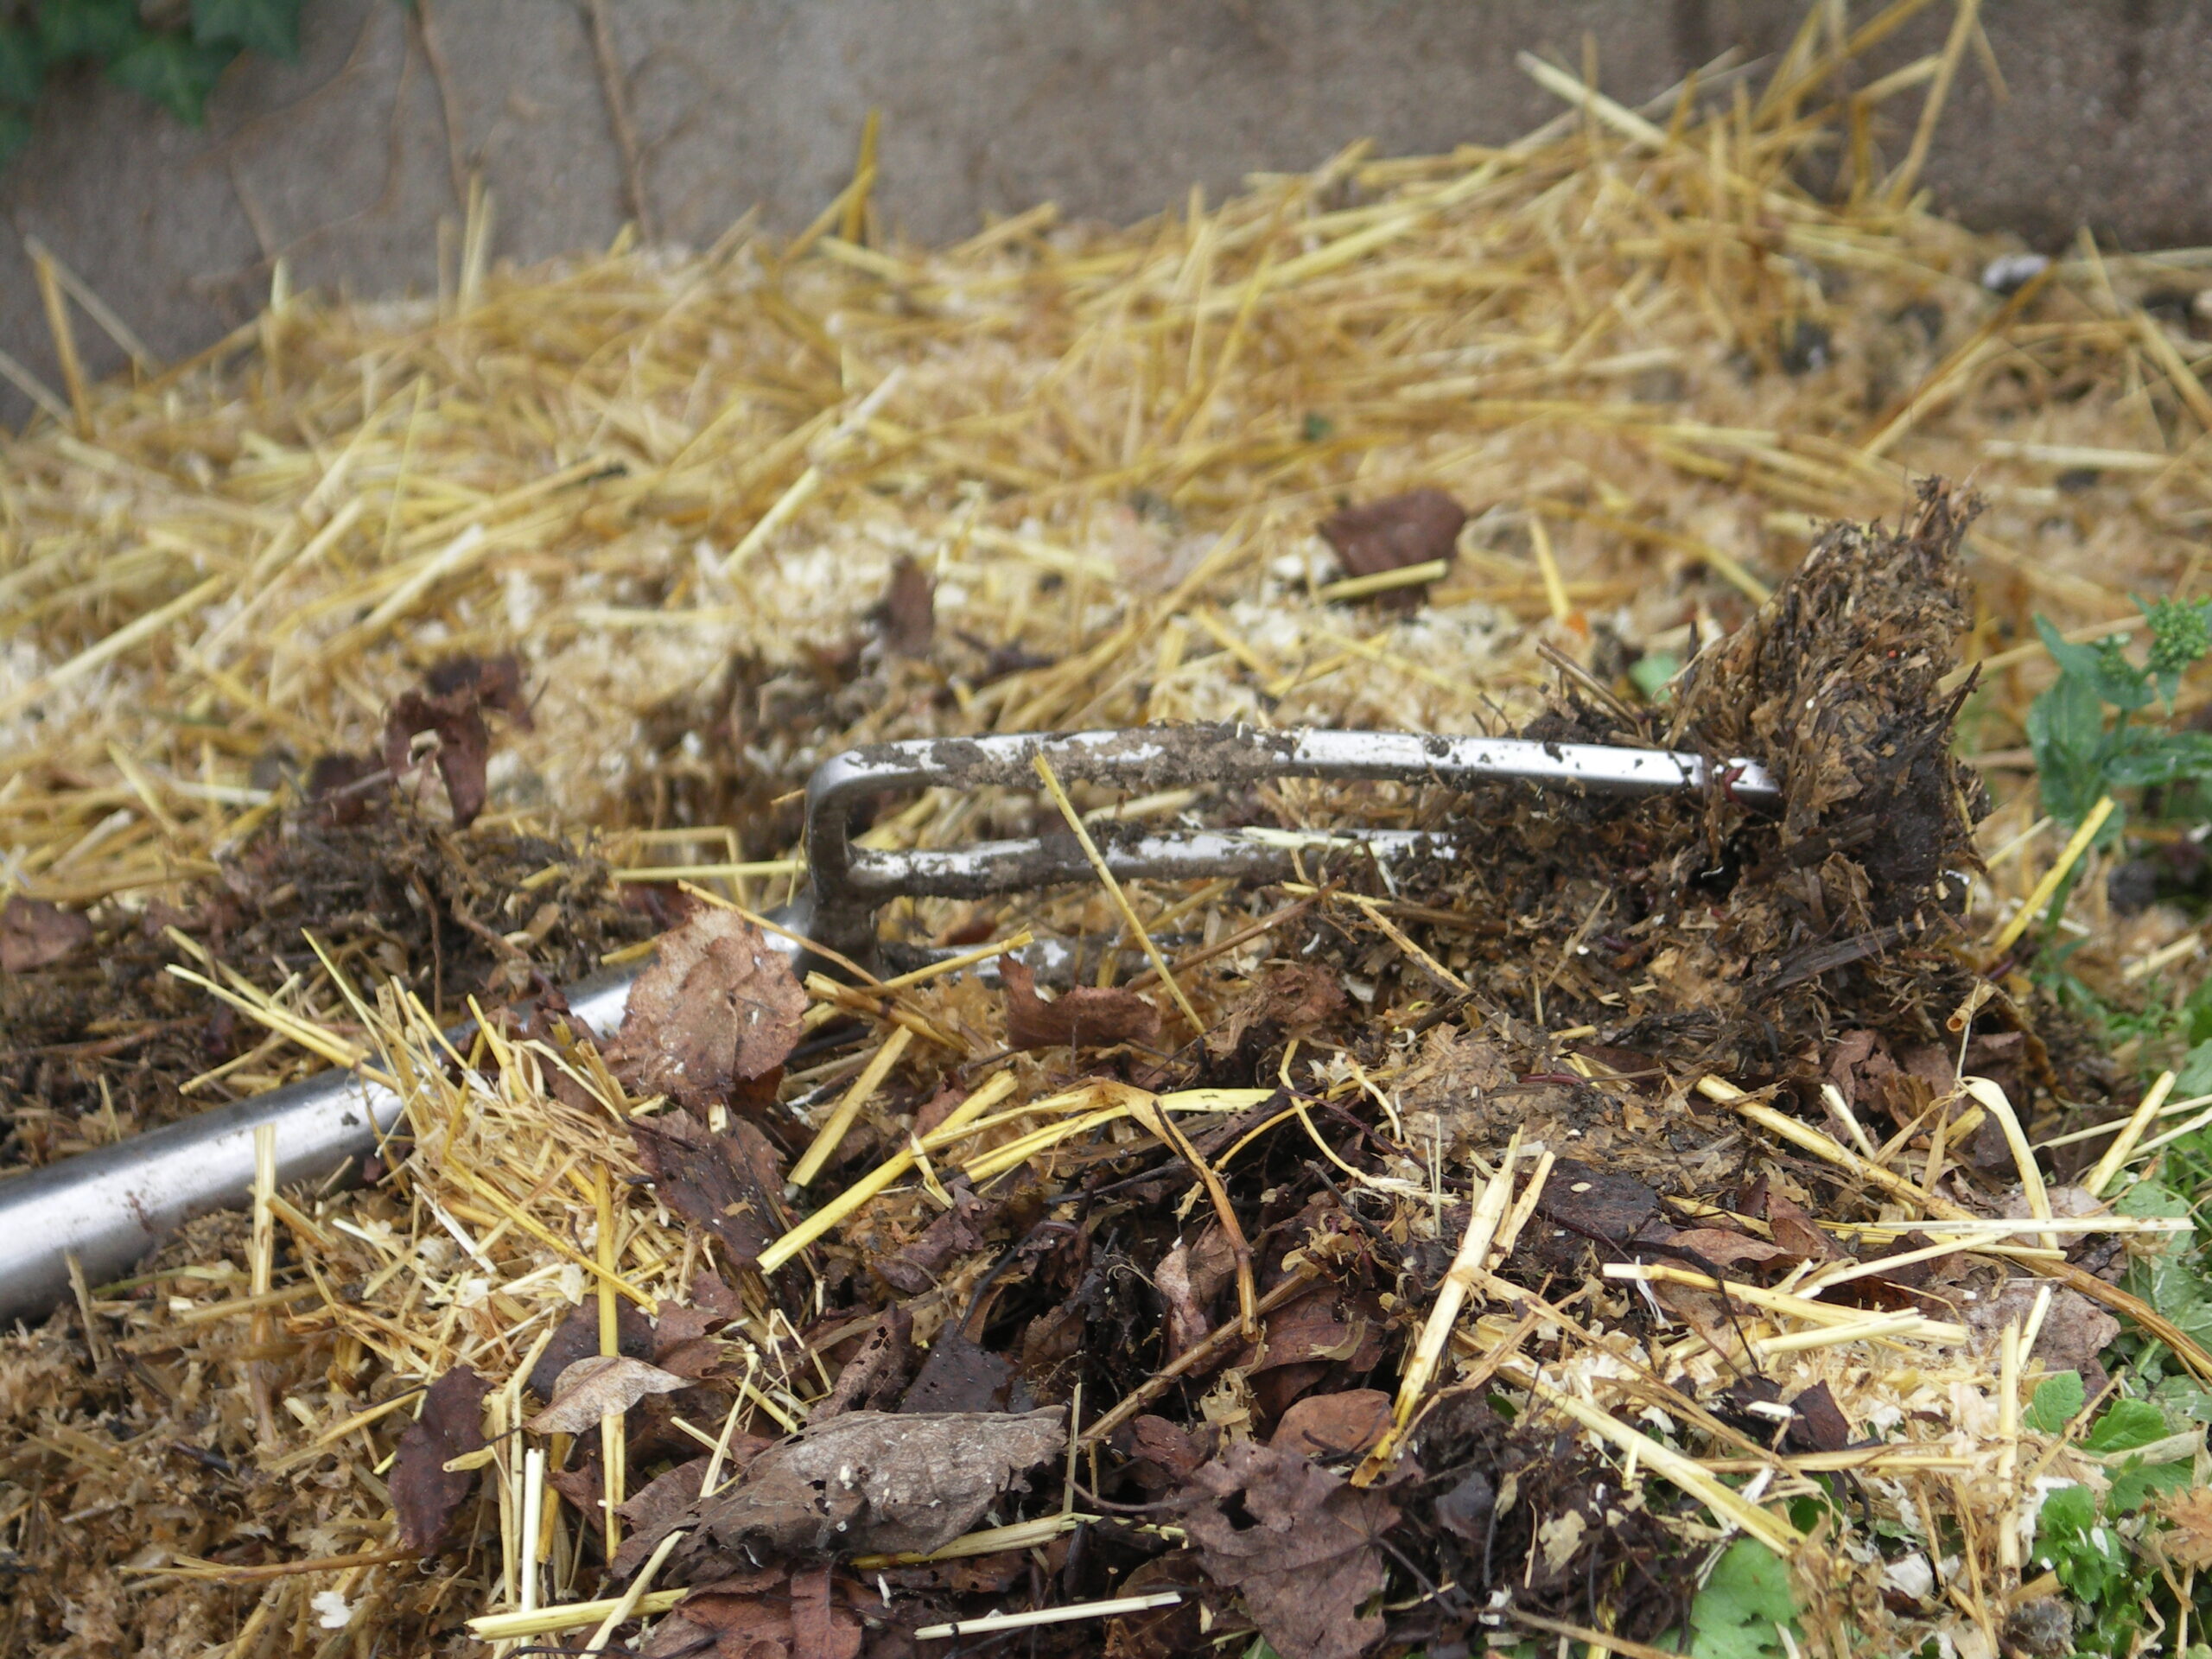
(677, 486)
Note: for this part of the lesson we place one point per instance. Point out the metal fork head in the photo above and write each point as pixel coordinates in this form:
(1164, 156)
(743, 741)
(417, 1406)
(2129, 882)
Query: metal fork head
(850, 883)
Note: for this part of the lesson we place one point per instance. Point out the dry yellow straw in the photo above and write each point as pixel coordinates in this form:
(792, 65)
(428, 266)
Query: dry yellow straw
(1723, 1501)
(1444, 1314)
(2117, 1154)
(1993, 1099)
(1052, 780)
(840, 1121)
(988, 1095)
(1382, 582)
(2008, 934)
(1827, 1146)
(627, 1605)
(1554, 589)
(612, 1435)
(502, 1627)
(2008, 1432)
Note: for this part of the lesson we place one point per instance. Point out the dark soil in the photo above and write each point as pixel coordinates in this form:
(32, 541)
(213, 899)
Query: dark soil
(98, 1045)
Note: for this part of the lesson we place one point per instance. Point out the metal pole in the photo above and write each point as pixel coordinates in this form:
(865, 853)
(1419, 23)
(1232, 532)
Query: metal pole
(108, 1207)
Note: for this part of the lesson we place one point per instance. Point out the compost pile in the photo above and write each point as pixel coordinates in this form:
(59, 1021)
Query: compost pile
(1620, 1226)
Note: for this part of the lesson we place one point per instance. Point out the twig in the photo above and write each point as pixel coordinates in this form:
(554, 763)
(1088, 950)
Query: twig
(1205, 1348)
(216, 1573)
(1599, 1639)
(614, 87)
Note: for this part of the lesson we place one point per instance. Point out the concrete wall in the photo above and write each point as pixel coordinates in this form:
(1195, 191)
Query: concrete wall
(345, 161)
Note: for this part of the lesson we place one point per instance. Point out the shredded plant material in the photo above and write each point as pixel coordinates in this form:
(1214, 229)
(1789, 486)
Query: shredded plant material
(1628, 1232)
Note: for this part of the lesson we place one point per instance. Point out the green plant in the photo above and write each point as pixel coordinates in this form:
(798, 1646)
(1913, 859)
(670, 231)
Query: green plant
(171, 54)
(2086, 741)
(1744, 1606)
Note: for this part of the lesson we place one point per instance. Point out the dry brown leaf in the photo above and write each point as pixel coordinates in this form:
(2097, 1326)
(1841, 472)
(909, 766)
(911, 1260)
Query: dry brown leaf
(909, 609)
(1324, 1426)
(1304, 1558)
(1594, 1203)
(591, 1387)
(875, 1481)
(1717, 1246)
(727, 1184)
(876, 1374)
(819, 1629)
(719, 1007)
(1795, 1231)
(1186, 1320)
(2189, 1515)
(35, 934)
(1395, 531)
(1089, 1016)
(1293, 996)
(456, 694)
(425, 1494)
(651, 1511)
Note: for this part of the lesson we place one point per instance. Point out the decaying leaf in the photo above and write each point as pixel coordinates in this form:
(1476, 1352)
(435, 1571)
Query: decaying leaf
(35, 934)
(1326, 1426)
(578, 1338)
(909, 609)
(1292, 997)
(820, 1628)
(719, 1007)
(1397, 531)
(451, 705)
(876, 1374)
(1595, 1202)
(425, 1494)
(2189, 1515)
(649, 1513)
(1089, 1016)
(747, 1614)
(1795, 1231)
(959, 1376)
(591, 1387)
(1304, 1558)
(880, 1481)
(1819, 1424)
(1716, 1246)
(726, 1183)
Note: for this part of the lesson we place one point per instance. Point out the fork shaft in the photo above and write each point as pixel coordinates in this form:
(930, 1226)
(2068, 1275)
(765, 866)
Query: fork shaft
(851, 883)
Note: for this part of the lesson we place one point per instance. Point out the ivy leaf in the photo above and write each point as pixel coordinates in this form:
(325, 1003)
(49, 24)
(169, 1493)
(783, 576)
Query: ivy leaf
(1735, 1615)
(22, 66)
(87, 29)
(174, 73)
(2057, 1397)
(266, 26)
